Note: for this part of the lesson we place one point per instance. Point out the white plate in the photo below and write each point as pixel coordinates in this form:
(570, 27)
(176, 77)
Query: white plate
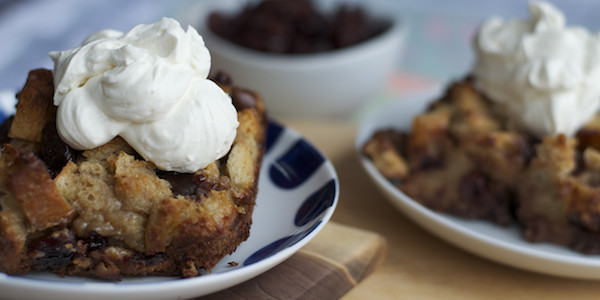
(503, 245)
(298, 192)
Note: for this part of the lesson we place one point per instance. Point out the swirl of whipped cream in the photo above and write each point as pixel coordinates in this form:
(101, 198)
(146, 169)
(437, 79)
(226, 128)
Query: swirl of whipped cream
(150, 87)
(544, 73)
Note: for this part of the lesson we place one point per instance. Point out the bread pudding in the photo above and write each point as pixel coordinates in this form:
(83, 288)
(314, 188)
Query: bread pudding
(107, 211)
(440, 162)
(517, 141)
(462, 158)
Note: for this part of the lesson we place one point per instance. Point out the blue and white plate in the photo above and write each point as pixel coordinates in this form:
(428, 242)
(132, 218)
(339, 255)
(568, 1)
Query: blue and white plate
(298, 192)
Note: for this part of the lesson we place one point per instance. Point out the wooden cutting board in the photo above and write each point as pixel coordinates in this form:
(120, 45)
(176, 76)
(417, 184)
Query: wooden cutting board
(335, 261)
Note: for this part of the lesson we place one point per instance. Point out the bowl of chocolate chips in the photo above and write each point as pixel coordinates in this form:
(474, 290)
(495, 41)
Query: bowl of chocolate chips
(307, 58)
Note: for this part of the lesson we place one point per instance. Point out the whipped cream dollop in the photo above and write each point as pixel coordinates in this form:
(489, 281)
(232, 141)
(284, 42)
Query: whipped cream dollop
(546, 74)
(150, 87)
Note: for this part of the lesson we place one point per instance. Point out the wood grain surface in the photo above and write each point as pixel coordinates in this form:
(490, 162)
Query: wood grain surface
(326, 268)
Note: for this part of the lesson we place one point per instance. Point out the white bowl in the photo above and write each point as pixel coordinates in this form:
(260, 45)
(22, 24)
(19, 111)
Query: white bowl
(334, 83)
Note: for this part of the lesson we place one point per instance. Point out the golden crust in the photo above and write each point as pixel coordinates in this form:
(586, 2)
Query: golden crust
(384, 149)
(27, 181)
(501, 155)
(35, 107)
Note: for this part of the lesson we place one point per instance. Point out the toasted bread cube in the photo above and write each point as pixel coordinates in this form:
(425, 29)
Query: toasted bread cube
(35, 107)
(28, 181)
(383, 150)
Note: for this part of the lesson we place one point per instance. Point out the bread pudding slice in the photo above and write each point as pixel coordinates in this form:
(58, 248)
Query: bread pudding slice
(463, 158)
(448, 155)
(106, 212)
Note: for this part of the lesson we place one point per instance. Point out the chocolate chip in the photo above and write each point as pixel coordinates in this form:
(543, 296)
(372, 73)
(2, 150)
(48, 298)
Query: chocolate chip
(189, 184)
(221, 77)
(54, 250)
(55, 153)
(243, 99)
(95, 241)
(4, 129)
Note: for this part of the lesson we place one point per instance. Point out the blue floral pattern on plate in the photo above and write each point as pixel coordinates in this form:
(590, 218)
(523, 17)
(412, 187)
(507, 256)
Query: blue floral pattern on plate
(298, 192)
(295, 166)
